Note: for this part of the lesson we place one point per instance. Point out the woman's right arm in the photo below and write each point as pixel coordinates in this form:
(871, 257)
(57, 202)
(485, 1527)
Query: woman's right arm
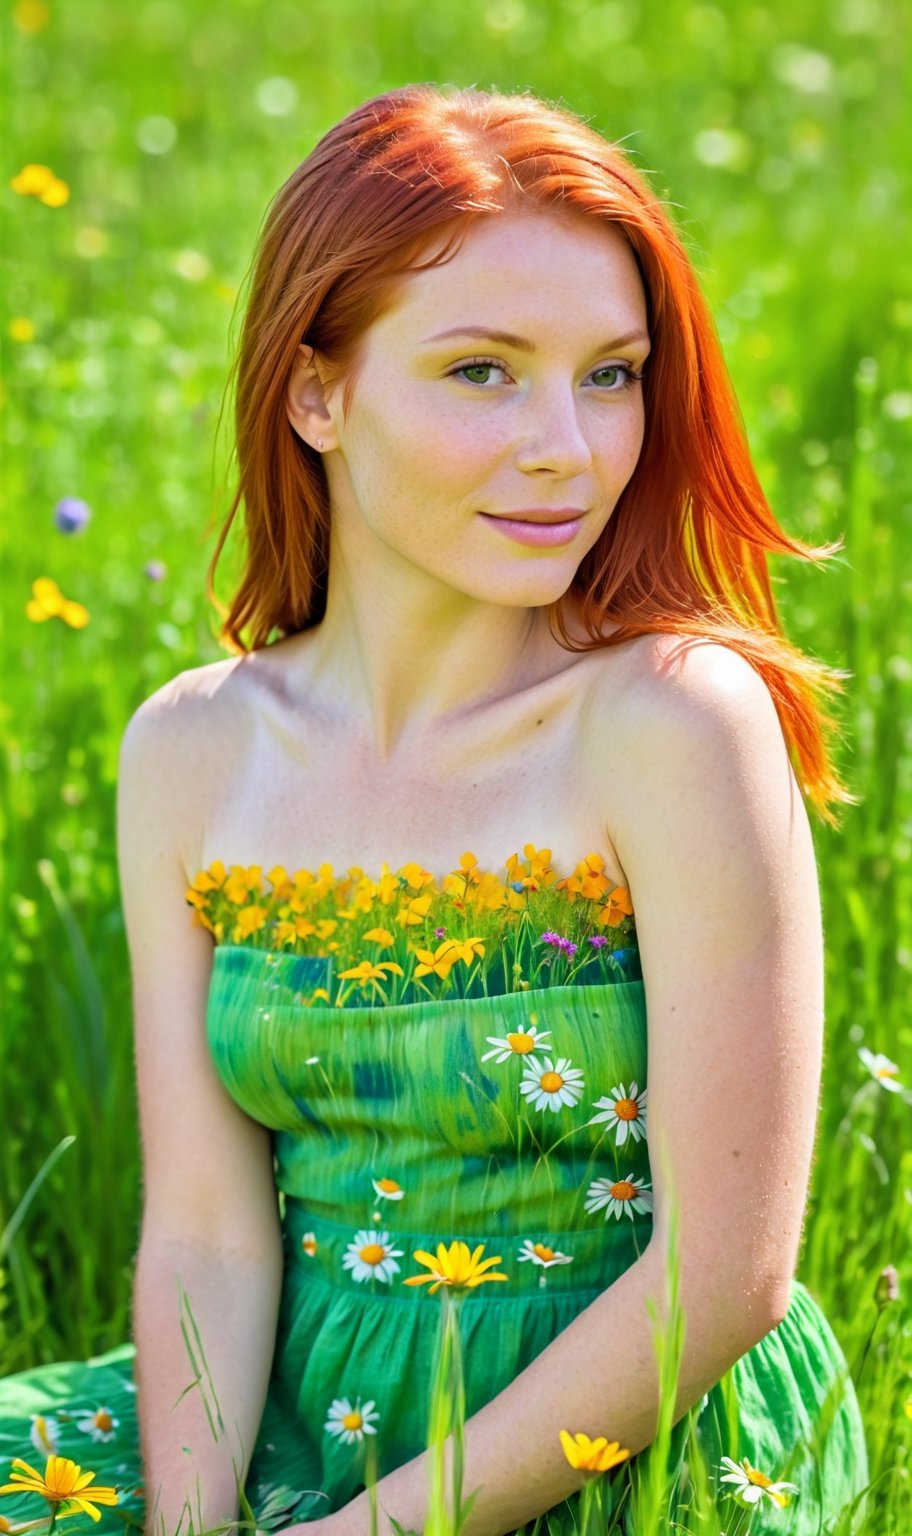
(210, 1219)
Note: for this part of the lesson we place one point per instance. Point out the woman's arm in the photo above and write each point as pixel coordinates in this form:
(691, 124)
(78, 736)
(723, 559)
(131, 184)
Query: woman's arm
(715, 841)
(210, 1216)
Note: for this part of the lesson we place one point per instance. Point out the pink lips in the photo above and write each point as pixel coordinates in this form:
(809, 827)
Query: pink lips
(539, 526)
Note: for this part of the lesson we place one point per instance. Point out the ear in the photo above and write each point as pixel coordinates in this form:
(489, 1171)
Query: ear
(305, 403)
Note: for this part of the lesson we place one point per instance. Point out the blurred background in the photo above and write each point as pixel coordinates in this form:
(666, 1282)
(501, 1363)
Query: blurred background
(142, 146)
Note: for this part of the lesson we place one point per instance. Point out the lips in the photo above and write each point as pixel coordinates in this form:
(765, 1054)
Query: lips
(541, 515)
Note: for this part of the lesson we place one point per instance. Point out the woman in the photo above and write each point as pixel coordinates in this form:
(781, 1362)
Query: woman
(505, 589)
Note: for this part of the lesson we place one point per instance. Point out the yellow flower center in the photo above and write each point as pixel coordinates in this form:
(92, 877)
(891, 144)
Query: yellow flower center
(551, 1081)
(389, 1186)
(542, 1251)
(372, 1254)
(521, 1044)
(352, 1421)
(626, 1109)
(103, 1419)
(758, 1478)
(623, 1190)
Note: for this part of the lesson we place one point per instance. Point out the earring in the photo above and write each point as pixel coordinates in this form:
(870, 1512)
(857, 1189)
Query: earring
(319, 445)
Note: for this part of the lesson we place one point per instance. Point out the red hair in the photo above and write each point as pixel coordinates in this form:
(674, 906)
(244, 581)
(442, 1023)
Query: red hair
(394, 186)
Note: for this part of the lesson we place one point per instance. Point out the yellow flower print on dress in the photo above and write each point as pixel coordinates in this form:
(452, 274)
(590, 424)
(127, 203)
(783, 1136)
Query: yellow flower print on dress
(371, 1256)
(520, 1042)
(549, 1085)
(388, 1189)
(542, 1255)
(628, 1195)
(454, 1267)
(624, 1110)
(351, 1423)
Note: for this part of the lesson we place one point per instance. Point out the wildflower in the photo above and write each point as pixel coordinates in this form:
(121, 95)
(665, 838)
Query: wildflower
(520, 1042)
(624, 1195)
(439, 933)
(71, 515)
(351, 1423)
(468, 950)
(414, 911)
(309, 1244)
(155, 570)
(624, 1111)
(549, 937)
(63, 1483)
(44, 1435)
(592, 1455)
(250, 920)
(597, 940)
(39, 181)
(366, 971)
(370, 1255)
(541, 1254)
(616, 908)
(454, 1267)
(48, 602)
(438, 962)
(21, 330)
(31, 15)
(379, 936)
(388, 1189)
(881, 1068)
(551, 1085)
(752, 1485)
(101, 1424)
(887, 1288)
(413, 874)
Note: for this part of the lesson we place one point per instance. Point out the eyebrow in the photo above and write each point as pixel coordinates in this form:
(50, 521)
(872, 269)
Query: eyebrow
(521, 344)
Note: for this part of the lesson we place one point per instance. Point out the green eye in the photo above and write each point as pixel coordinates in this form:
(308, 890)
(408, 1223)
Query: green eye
(477, 373)
(613, 369)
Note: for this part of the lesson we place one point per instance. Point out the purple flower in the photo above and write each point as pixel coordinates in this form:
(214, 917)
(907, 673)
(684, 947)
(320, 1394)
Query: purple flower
(597, 940)
(71, 515)
(439, 933)
(155, 570)
(567, 947)
(550, 938)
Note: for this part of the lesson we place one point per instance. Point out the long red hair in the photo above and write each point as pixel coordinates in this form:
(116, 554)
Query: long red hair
(395, 185)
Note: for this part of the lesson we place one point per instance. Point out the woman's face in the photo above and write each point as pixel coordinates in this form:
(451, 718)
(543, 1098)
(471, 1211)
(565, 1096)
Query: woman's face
(496, 415)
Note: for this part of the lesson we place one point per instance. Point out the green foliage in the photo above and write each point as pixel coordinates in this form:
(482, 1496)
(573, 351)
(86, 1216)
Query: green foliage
(777, 134)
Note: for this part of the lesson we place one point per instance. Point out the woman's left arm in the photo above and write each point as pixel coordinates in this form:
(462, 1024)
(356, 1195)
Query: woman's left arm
(709, 825)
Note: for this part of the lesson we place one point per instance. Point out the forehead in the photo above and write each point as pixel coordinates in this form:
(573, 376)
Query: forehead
(525, 266)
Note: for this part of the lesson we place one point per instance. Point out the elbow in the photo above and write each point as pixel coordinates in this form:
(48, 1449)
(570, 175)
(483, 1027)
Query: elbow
(763, 1303)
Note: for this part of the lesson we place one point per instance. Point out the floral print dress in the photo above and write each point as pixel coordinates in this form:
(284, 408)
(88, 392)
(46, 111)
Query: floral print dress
(462, 1060)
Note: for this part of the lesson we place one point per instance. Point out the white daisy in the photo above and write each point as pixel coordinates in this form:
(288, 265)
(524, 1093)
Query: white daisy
(752, 1486)
(624, 1110)
(551, 1085)
(44, 1435)
(628, 1195)
(351, 1423)
(541, 1254)
(521, 1042)
(881, 1068)
(369, 1255)
(309, 1244)
(101, 1424)
(388, 1189)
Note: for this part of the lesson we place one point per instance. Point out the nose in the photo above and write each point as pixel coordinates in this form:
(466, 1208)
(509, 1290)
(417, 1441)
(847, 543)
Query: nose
(552, 440)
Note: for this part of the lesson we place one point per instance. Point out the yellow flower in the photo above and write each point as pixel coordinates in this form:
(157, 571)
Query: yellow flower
(592, 1455)
(379, 936)
(63, 1482)
(454, 1267)
(32, 180)
(31, 15)
(438, 962)
(48, 602)
(617, 907)
(282, 887)
(387, 888)
(468, 949)
(415, 876)
(242, 881)
(367, 971)
(21, 329)
(250, 920)
(414, 912)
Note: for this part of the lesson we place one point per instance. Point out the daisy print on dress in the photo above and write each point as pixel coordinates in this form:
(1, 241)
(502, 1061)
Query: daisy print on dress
(520, 1042)
(622, 1195)
(309, 1244)
(388, 1189)
(351, 1423)
(101, 1424)
(550, 1085)
(370, 1256)
(540, 1253)
(624, 1110)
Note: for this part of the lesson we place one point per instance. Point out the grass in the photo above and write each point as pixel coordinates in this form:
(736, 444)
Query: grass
(777, 134)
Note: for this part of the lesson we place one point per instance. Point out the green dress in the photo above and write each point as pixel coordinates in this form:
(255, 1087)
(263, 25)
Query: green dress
(516, 1120)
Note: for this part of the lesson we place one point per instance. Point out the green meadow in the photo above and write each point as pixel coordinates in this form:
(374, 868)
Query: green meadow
(779, 136)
